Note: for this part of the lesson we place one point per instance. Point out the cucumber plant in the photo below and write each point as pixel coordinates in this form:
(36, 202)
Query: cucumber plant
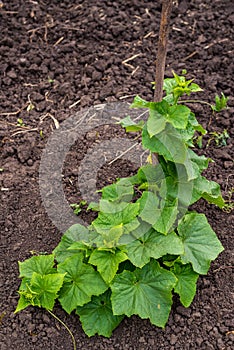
(145, 243)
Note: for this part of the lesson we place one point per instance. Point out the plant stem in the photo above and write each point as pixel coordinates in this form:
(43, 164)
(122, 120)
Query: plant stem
(196, 101)
(64, 325)
(162, 49)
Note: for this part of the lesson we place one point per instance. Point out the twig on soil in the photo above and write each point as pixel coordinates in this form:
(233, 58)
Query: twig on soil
(205, 48)
(123, 153)
(148, 35)
(125, 96)
(125, 62)
(56, 123)
(223, 268)
(139, 116)
(24, 131)
(12, 124)
(18, 110)
(47, 97)
(10, 12)
(74, 104)
(58, 41)
(134, 71)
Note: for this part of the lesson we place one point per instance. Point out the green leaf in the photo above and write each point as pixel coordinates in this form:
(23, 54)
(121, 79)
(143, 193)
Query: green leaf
(130, 125)
(166, 216)
(220, 103)
(168, 85)
(186, 284)
(123, 214)
(80, 283)
(155, 123)
(39, 290)
(42, 264)
(97, 316)
(93, 206)
(208, 190)
(145, 292)
(122, 190)
(178, 116)
(153, 245)
(195, 88)
(149, 204)
(139, 102)
(107, 262)
(167, 143)
(47, 287)
(201, 161)
(27, 297)
(112, 236)
(160, 214)
(75, 233)
(201, 244)
(23, 302)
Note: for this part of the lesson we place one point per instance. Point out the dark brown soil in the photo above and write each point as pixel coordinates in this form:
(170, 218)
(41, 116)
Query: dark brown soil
(56, 53)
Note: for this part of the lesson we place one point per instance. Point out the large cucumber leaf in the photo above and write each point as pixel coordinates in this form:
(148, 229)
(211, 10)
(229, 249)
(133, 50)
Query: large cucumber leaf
(80, 283)
(153, 245)
(186, 284)
(201, 244)
(97, 316)
(145, 292)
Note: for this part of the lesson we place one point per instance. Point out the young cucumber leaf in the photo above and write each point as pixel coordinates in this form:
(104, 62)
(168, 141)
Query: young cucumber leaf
(40, 290)
(42, 264)
(145, 292)
(117, 215)
(122, 190)
(75, 233)
(139, 102)
(160, 214)
(209, 190)
(47, 288)
(186, 284)
(130, 125)
(149, 206)
(80, 283)
(201, 244)
(97, 316)
(167, 143)
(153, 245)
(107, 262)
(166, 216)
(27, 296)
(161, 112)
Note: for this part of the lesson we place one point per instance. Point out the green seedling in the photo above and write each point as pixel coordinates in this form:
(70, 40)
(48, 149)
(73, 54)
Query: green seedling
(51, 81)
(220, 138)
(77, 207)
(220, 103)
(20, 122)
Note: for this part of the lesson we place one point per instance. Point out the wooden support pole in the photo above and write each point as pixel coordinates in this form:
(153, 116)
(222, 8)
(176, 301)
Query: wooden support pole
(162, 49)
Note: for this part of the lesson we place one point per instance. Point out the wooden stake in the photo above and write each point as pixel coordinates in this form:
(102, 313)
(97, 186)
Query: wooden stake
(162, 49)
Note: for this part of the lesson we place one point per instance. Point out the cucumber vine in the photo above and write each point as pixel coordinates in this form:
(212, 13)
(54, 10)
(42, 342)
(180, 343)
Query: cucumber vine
(145, 243)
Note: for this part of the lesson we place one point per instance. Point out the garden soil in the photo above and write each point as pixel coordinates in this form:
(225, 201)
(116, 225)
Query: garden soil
(61, 57)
